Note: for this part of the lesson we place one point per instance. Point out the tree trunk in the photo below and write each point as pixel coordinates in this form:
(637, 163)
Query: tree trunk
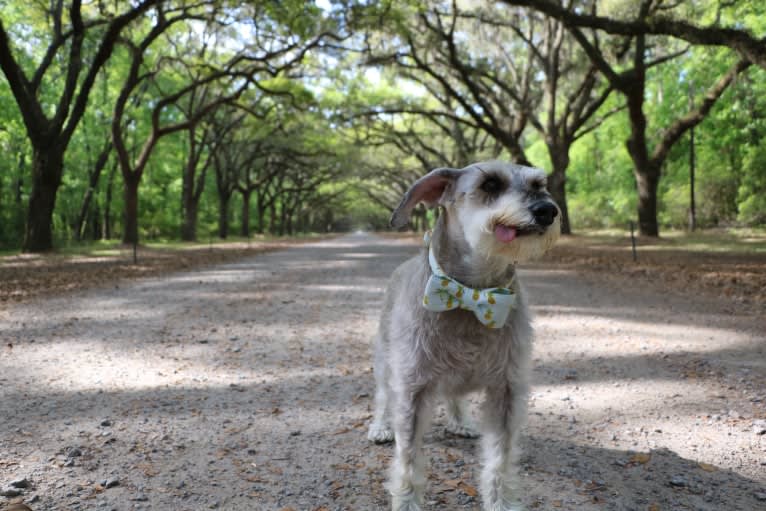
(261, 208)
(188, 207)
(282, 216)
(47, 167)
(130, 223)
(79, 222)
(692, 201)
(189, 195)
(646, 172)
(17, 226)
(291, 218)
(246, 213)
(93, 177)
(223, 215)
(273, 216)
(107, 233)
(189, 225)
(273, 220)
(647, 181)
(95, 223)
(557, 185)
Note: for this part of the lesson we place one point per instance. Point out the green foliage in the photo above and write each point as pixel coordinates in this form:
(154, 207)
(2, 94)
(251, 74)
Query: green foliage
(730, 164)
(13, 172)
(752, 189)
(333, 141)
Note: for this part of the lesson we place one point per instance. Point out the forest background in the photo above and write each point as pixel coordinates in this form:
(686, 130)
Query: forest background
(190, 119)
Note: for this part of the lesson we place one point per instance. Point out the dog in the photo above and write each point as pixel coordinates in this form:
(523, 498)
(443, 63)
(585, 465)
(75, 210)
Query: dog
(493, 215)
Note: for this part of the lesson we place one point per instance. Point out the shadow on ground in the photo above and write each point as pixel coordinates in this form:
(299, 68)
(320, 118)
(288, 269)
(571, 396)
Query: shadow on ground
(265, 435)
(234, 405)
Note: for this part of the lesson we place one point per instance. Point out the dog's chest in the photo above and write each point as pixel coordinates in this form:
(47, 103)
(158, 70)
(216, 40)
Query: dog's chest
(457, 344)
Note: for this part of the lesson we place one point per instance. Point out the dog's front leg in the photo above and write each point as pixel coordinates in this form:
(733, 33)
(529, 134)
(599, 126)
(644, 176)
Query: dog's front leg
(504, 411)
(407, 472)
(380, 428)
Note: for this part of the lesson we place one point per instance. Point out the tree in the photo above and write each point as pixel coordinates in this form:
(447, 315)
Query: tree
(484, 66)
(39, 92)
(428, 49)
(162, 122)
(737, 38)
(255, 175)
(269, 55)
(632, 84)
(94, 174)
(228, 159)
(13, 169)
(420, 144)
(571, 91)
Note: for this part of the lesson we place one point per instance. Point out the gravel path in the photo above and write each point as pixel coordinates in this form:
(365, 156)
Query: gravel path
(248, 386)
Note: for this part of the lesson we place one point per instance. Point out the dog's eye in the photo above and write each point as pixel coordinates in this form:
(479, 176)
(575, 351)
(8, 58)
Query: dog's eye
(537, 185)
(492, 185)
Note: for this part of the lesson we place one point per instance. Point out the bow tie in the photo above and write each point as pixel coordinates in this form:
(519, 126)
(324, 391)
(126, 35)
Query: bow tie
(491, 306)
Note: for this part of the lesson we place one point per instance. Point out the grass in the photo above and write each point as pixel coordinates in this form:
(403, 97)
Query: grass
(745, 241)
(719, 240)
(114, 248)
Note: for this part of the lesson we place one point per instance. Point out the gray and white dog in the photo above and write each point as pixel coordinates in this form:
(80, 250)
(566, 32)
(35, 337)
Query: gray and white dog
(493, 215)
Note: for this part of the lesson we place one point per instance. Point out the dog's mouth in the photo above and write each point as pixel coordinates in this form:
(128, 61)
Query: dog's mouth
(507, 233)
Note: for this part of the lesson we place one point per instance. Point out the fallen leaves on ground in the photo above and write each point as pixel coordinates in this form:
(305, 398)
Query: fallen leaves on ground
(641, 458)
(740, 276)
(27, 276)
(459, 484)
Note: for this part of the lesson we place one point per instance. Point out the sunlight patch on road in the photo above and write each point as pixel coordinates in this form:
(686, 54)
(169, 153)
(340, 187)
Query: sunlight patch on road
(104, 370)
(621, 335)
(335, 288)
(359, 255)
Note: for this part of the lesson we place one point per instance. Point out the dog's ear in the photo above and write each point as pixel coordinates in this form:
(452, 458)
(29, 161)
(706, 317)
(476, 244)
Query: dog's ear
(428, 189)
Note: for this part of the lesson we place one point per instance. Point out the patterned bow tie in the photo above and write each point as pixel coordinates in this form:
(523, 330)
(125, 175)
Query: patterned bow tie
(491, 306)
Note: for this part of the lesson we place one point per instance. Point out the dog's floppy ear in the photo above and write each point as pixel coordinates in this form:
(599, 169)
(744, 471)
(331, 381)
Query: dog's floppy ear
(428, 189)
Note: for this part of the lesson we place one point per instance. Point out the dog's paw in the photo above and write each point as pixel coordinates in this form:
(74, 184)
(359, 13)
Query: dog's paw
(461, 430)
(502, 504)
(504, 507)
(404, 503)
(380, 434)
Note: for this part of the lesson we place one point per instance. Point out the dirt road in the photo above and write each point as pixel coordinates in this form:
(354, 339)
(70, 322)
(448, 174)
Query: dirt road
(247, 386)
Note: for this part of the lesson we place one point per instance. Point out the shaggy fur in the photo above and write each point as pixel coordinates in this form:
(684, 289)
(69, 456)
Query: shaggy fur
(420, 354)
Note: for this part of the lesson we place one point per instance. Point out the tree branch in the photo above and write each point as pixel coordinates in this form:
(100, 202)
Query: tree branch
(739, 40)
(697, 115)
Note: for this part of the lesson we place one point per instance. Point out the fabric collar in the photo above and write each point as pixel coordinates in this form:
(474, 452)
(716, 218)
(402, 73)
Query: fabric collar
(443, 293)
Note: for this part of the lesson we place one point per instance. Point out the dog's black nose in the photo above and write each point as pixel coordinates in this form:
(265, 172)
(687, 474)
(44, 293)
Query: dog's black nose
(544, 212)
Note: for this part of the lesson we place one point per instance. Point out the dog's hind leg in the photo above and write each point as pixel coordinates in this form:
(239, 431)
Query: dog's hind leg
(459, 418)
(504, 411)
(408, 480)
(380, 430)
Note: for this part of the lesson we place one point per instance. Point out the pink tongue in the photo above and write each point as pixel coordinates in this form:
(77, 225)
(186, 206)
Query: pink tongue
(504, 233)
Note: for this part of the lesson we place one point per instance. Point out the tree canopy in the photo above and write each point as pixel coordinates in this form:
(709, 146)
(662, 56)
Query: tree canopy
(189, 118)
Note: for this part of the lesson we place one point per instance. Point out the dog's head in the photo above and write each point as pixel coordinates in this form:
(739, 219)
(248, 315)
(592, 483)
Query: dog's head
(502, 209)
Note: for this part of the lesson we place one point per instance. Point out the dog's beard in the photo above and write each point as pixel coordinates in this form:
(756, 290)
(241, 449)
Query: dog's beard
(532, 241)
